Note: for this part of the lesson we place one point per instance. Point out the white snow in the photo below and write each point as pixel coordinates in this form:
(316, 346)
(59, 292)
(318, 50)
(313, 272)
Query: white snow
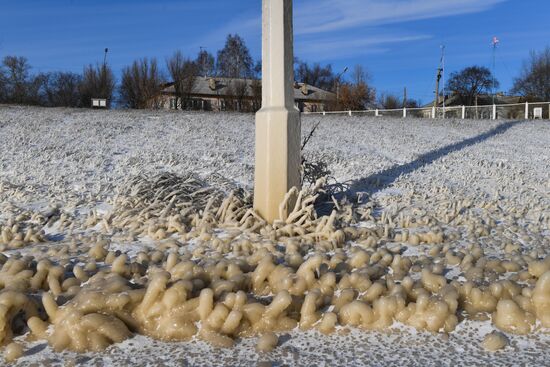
(77, 158)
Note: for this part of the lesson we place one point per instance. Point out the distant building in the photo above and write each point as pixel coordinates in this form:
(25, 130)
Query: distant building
(224, 94)
(482, 100)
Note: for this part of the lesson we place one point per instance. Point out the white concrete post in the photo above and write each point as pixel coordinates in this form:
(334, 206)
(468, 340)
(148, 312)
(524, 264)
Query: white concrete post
(404, 113)
(463, 112)
(278, 131)
(376, 113)
(494, 112)
(349, 113)
(324, 113)
(433, 112)
(527, 110)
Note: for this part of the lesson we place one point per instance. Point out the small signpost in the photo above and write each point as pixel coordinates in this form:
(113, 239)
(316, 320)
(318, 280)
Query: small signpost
(99, 103)
(537, 113)
(278, 127)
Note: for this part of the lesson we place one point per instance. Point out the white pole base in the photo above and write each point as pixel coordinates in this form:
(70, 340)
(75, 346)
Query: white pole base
(278, 159)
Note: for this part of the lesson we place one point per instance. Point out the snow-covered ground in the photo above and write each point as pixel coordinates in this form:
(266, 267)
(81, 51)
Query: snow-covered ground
(77, 159)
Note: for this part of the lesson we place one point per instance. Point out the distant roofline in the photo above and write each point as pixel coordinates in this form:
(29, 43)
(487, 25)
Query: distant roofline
(203, 89)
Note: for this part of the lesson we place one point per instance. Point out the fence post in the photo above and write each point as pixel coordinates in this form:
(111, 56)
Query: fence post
(349, 112)
(433, 112)
(376, 113)
(405, 112)
(463, 112)
(494, 112)
(527, 110)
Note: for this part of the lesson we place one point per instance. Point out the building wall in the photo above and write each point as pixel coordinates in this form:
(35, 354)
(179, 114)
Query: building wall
(217, 104)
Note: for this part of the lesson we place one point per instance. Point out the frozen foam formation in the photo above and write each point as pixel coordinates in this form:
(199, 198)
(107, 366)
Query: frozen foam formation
(267, 342)
(15, 238)
(495, 341)
(541, 299)
(511, 318)
(167, 312)
(432, 313)
(98, 316)
(15, 309)
(12, 352)
(216, 271)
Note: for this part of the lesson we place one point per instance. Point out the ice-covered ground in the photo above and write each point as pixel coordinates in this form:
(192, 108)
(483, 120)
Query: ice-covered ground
(77, 158)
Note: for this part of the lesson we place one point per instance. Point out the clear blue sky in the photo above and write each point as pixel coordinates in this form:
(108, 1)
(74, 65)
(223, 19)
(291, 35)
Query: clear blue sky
(397, 40)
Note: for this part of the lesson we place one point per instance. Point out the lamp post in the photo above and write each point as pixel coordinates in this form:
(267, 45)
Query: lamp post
(105, 57)
(338, 84)
(278, 127)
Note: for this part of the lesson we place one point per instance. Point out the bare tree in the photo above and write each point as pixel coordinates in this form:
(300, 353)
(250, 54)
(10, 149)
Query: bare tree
(471, 82)
(234, 60)
(62, 89)
(229, 96)
(97, 82)
(36, 90)
(389, 101)
(534, 81)
(319, 76)
(184, 75)
(257, 70)
(206, 63)
(357, 94)
(256, 92)
(412, 103)
(3, 86)
(189, 81)
(240, 90)
(16, 79)
(141, 85)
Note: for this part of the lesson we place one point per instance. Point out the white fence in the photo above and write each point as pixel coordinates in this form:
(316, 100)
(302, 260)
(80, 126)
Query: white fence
(538, 110)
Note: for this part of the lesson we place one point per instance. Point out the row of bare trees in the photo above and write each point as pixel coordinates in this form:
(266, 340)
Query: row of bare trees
(142, 82)
(54, 89)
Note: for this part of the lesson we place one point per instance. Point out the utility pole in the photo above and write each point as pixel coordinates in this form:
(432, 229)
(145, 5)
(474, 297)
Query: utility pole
(496, 41)
(437, 80)
(439, 76)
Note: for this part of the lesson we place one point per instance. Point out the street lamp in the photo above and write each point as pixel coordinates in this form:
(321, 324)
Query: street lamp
(338, 83)
(105, 57)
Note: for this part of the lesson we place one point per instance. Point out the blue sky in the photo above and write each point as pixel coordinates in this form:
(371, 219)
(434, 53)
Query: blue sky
(396, 40)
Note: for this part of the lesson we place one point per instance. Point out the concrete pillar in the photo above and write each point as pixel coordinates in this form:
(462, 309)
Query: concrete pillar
(433, 112)
(494, 112)
(349, 113)
(278, 155)
(404, 112)
(376, 113)
(527, 110)
(463, 112)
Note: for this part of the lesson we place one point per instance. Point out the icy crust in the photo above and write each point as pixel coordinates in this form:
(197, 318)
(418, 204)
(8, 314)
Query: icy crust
(178, 258)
